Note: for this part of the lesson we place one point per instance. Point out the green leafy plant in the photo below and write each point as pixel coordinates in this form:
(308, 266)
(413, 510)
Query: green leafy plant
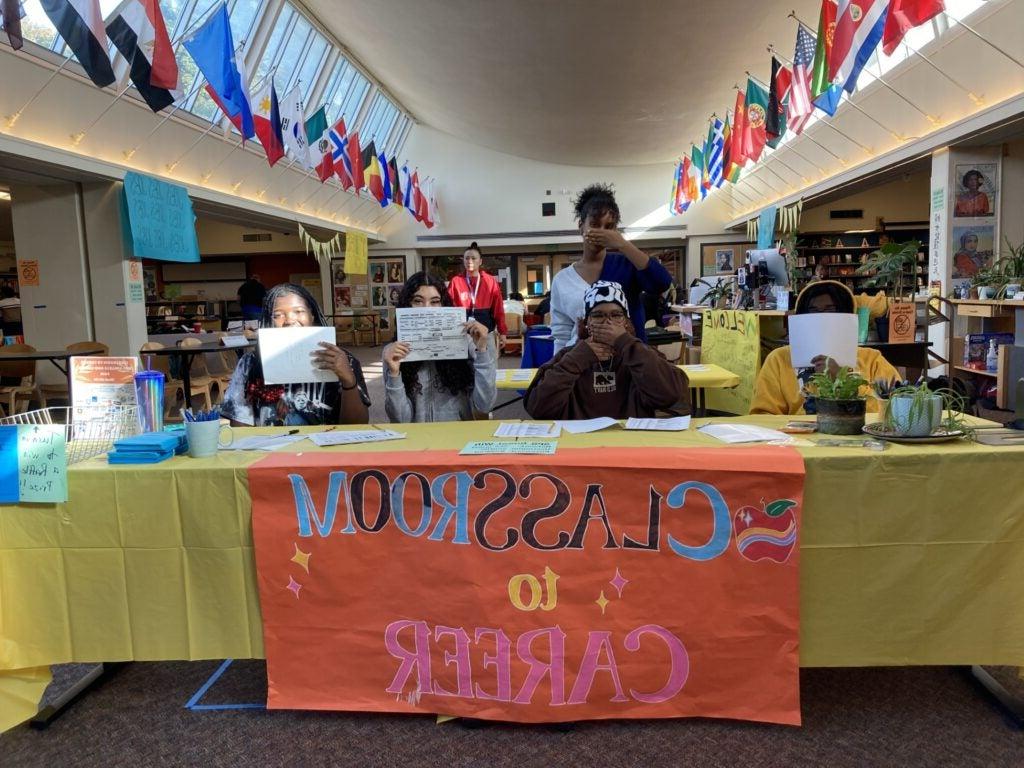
(788, 245)
(888, 266)
(718, 292)
(921, 396)
(1011, 264)
(989, 277)
(845, 386)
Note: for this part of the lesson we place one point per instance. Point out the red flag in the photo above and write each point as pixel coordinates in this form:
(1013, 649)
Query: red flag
(355, 156)
(418, 201)
(737, 156)
(903, 16)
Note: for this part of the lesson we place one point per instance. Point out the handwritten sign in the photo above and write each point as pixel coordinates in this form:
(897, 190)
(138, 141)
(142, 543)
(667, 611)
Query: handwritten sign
(160, 217)
(732, 339)
(595, 583)
(902, 320)
(33, 463)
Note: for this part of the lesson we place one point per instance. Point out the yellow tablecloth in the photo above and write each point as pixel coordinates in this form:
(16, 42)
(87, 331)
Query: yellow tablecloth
(705, 376)
(914, 555)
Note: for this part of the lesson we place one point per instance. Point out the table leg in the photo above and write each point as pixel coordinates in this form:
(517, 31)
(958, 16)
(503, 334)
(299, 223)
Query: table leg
(505, 405)
(66, 370)
(1014, 706)
(58, 706)
(186, 377)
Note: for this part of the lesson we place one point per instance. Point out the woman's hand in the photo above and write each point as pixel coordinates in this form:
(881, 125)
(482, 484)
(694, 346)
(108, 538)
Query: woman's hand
(477, 332)
(822, 361)
(394, 353)
(333, 358)
(605, 238)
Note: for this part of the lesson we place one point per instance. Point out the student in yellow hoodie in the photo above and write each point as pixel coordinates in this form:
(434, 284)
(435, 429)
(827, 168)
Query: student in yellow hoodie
(780, 388)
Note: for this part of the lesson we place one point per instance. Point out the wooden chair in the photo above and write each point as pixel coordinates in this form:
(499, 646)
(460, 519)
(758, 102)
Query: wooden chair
(60, 391)
(344, 328)
(25, 370)
(364, 330)
(514, 337)
(672, 351)
(199, 375)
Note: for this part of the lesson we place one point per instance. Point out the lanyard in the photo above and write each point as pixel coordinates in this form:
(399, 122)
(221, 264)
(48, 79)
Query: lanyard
(472, 296)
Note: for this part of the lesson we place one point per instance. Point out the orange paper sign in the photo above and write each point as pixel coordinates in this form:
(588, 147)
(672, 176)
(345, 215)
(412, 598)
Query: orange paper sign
(596, 583)
(28, 272)
(902, 319)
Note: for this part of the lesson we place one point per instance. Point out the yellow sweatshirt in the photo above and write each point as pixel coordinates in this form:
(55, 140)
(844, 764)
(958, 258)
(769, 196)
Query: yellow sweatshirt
(877, 305)
(777, 390)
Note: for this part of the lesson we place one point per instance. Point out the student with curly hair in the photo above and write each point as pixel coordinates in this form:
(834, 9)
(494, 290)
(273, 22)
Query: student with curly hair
(608, 256)
(249, 401)
(442, 390)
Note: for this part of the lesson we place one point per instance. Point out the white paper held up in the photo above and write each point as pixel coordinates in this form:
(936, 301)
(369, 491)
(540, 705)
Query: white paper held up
(433, 333)
(823, 333)
(285, 354)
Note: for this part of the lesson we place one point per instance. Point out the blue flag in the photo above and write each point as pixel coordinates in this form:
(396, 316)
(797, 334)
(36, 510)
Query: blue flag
(385, 178)
(213, 51)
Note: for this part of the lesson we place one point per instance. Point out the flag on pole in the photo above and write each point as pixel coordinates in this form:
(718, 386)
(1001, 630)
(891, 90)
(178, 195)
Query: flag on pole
(417, 196)
(730, 171)
(266, 118)
(213, 51)
(698, 170)
(824, 93)
(355, 159)
(339, 153)
(754, 134)
(859, 28)
(140, 35)
(385, 180)
(684, 182)
(903, 16)
(293, 127)
(11, 13)
(706, 150)
(408, 195)
(434, 213)
(396, 188)
(320, 148)
(716, 167)
(737, 156)
(371, 173)
(676, 201)
(778, 94)
(80, 23)
(800, 107)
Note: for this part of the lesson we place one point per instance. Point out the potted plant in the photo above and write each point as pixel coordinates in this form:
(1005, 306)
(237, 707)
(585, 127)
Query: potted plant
(919, 411)
(1011, 267)
(988, 282)
(840, 404)
(888, 267)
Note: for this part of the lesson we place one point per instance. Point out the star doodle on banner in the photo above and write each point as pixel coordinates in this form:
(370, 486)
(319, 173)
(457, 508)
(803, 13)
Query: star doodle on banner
(602, 601)
(294, 586)
(301, 558)
(619, 582)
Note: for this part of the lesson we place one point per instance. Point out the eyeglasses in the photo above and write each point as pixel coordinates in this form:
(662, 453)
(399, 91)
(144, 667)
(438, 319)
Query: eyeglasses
(615, 317)
(292, 314)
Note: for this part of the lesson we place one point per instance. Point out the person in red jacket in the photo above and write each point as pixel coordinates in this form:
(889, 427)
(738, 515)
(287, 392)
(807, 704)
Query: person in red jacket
(479, 293)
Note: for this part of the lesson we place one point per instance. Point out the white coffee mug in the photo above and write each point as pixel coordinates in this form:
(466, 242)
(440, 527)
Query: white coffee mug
(204, 438)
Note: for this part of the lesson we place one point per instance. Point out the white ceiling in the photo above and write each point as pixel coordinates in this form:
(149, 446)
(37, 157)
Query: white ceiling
(581, 82)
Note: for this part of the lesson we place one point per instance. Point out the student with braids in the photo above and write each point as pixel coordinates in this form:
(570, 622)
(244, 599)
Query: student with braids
(445, 390)
(609, 256)
(249, 401)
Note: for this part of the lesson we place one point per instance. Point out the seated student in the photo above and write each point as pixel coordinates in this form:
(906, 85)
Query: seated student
(248, 401)
(609, 372)
(514, 305)
(779, 388)
(445, 390)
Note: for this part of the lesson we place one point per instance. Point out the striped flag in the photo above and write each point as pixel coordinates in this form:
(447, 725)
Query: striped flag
(800, 106)
(859, 28)
(715, 165)
(824, 92)
(80, 23)
(903, 16)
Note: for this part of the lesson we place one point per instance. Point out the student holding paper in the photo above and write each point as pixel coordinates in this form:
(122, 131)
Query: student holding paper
(780, 387)
(249, 401)
(609, 372)
(438, 390)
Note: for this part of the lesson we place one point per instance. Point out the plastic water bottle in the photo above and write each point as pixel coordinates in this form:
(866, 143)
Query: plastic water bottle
(992, 359)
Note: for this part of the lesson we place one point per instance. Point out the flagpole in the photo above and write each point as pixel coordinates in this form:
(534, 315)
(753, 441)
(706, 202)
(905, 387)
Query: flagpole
(76, 138)
(857, 107)
(885, 83)
(171, 166)
(206, 176)
(973, 96)
(13, 118)
(333, 195)
(315, 193)
(987, 42)
(295, 189)
(775, 156)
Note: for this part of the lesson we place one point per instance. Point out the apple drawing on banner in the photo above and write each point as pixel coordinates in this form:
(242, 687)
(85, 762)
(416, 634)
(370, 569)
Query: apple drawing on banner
(768, 533)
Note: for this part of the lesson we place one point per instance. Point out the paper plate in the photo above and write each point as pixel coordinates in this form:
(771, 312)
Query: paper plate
(941, 436)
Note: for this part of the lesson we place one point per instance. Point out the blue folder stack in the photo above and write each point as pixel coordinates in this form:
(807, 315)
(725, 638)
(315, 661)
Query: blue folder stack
(149, 448)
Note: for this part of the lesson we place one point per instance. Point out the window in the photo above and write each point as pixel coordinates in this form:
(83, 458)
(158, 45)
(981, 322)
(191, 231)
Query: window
(380, 120)
(345, 92)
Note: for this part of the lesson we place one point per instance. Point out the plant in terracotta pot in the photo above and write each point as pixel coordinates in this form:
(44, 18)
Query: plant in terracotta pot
(839, 401)
(919, 411)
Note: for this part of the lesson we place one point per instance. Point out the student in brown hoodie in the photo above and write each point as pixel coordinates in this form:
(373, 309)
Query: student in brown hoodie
(609, 372)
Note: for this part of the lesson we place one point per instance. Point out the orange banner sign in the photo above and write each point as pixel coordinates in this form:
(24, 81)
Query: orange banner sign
(595, 583)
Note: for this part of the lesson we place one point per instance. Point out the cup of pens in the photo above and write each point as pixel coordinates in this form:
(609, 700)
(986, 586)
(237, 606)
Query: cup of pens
(203, 430)
(149, 390)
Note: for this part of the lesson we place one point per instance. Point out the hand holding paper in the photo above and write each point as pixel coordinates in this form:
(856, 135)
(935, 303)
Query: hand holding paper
(433, 333)
(287, 354)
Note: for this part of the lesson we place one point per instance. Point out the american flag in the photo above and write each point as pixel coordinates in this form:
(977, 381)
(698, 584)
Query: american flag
(800, 106)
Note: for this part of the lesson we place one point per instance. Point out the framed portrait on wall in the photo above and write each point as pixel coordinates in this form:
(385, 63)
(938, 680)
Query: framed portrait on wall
(977, 190)
(396, 271)
(379, 296)
(342, 297)
(338, 275)
(378, 272)
(722, 258)
(974, 246)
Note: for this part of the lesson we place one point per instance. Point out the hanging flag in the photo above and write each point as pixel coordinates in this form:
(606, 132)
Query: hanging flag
(385, 179)
(339, 154)
(139, 33)
(213, 51)
(705, 176)
(778, 93)
(677, 202)
(754, 134)
(824, 93)
(434, 214)
(903, 16)
(11, 13)
(80, 23)
(396, 189)
(371, 173)
(318, 137)
(293, 127)
(737, 156)
(859, 28)
(355, 157)
(730, 170)
(684, 182)
(800, 107)
(266, 118)
(716, 168)
(408, 193)
(417, 197)
(694, 182)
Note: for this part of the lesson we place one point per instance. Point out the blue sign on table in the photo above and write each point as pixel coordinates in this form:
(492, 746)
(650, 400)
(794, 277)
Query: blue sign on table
(161, 223)
(10, 491)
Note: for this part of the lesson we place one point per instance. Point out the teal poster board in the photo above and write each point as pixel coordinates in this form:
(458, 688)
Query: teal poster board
(161, 224)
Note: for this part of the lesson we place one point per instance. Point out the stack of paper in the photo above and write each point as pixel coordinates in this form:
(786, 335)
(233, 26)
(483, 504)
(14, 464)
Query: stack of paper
(522, 374)
(582, 426)
(528, 429)
(348, 437)
(676, 424)
(742, 433)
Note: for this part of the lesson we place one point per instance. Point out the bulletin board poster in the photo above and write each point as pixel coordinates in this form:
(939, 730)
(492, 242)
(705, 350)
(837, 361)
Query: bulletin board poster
(161, 223)
(100, 386)
(732, 339)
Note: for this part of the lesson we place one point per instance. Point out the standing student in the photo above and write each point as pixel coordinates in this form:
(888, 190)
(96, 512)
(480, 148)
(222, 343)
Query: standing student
(442, 390)
(249, 401)
(608, 256)
(609, 371)
(479, 293)
(251, 294)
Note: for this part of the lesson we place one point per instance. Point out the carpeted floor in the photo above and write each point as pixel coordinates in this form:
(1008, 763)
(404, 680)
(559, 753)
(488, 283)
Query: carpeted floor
(864, 717)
